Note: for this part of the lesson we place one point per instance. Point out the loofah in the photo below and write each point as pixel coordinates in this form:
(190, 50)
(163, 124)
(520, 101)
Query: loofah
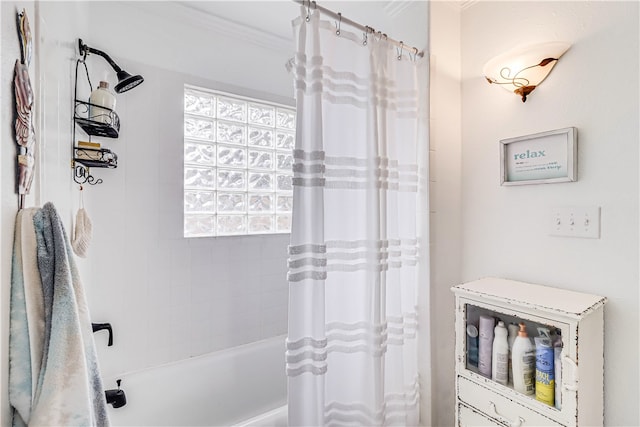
(82, 234)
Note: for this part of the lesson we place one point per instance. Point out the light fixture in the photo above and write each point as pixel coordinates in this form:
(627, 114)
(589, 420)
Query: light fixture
(125, 80)
(522, 69)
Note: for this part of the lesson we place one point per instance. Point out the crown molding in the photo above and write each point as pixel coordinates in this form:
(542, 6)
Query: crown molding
(194, 16)
(395, 7)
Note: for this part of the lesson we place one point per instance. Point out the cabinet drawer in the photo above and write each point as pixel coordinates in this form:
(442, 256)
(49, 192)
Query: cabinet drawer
(496, 406)
(468, 417)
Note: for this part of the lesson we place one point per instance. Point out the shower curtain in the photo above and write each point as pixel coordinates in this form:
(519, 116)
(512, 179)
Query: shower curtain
(362, 135)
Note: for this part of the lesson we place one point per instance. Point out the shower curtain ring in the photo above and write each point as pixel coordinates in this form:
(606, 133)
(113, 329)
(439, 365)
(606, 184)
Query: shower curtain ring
(400, 50)
(338, 24)
(364, 37)
(308, 18)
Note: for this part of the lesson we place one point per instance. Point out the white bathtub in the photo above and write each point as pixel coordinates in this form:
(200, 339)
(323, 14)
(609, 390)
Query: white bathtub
(244, 386)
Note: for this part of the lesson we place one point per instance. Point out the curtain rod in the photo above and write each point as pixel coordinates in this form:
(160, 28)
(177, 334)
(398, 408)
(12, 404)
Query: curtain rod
(370, 30)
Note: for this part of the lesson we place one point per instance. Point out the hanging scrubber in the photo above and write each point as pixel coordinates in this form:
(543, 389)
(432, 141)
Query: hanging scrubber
(83, 231)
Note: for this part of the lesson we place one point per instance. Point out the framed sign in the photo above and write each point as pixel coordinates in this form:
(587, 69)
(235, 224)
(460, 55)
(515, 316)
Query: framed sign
(541, 158)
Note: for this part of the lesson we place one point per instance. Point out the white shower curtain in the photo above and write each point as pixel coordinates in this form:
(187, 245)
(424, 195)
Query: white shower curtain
(362, 133)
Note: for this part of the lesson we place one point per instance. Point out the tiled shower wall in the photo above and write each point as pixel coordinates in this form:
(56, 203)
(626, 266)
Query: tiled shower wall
(168, 297)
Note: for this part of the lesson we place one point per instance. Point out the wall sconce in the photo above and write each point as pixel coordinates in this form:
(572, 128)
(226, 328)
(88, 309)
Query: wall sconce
(522, 69)
(125, 80)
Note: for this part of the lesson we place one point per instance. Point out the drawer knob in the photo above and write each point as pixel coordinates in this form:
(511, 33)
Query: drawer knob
(506, 420)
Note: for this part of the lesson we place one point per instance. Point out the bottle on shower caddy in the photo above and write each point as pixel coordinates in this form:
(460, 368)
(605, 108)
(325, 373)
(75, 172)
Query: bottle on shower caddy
(102, 97)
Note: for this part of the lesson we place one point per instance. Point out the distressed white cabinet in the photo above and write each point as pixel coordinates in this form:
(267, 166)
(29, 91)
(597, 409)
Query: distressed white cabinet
(579, 318)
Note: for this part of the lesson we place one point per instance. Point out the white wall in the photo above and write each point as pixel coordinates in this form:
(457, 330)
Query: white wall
(594, 87)
(445, 194)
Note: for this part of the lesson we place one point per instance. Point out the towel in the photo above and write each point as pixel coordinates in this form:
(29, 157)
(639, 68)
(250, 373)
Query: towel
(26, 318)
(68, 390)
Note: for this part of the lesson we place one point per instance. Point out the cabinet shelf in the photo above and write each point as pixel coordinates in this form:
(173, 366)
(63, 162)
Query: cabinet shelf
(107, 126)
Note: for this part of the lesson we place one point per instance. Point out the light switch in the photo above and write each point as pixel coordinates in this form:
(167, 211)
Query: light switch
(575, 221)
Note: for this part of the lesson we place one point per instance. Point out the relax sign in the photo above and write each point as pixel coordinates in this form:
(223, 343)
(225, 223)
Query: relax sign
(544, 157)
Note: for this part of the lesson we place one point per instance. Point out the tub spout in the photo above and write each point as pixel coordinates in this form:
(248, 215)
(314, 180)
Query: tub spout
(116, 397)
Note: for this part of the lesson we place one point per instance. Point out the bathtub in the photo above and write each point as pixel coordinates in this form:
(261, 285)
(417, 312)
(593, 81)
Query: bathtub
(243, 386)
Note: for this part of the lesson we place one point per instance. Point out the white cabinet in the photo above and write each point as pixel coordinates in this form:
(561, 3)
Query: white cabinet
(578, 317)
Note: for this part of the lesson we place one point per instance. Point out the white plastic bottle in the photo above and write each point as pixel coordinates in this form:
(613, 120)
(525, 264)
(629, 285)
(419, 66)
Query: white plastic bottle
(513, 333)
(500, 359)
(485, 342)
(523, 362)
(101, 97)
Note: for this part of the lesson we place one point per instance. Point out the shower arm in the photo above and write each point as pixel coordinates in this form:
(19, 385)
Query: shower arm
(84, 49)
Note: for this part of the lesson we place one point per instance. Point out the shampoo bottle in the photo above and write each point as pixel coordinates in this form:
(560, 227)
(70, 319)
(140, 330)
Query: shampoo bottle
(102, 97)
(500, 359)
(513, 333)
(485, 343)
(523, 362)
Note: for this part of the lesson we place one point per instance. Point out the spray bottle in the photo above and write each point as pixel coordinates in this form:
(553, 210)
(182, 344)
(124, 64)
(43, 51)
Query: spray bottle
(545, 374)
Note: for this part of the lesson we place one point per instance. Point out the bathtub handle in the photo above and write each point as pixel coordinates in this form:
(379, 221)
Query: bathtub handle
(100, 326)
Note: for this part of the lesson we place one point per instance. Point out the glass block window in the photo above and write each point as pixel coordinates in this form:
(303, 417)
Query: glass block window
(238, 157)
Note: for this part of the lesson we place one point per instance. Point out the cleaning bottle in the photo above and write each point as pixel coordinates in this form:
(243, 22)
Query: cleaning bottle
(545, 374)
(500, 359)
(513, 333)
(557, 366)
(485, 343)
(523, 362)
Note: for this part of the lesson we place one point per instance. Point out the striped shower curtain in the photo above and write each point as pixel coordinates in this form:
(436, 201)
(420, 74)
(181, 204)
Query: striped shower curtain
(351, 356)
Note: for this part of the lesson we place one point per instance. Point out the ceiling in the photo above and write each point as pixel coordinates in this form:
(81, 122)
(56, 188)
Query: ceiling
(274, 16)
(269, 21)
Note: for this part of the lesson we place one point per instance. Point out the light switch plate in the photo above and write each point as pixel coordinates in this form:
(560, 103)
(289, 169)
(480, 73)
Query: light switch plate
(575, 221)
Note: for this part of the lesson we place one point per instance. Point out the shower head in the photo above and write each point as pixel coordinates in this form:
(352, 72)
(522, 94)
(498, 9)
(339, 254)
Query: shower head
(125, 80)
